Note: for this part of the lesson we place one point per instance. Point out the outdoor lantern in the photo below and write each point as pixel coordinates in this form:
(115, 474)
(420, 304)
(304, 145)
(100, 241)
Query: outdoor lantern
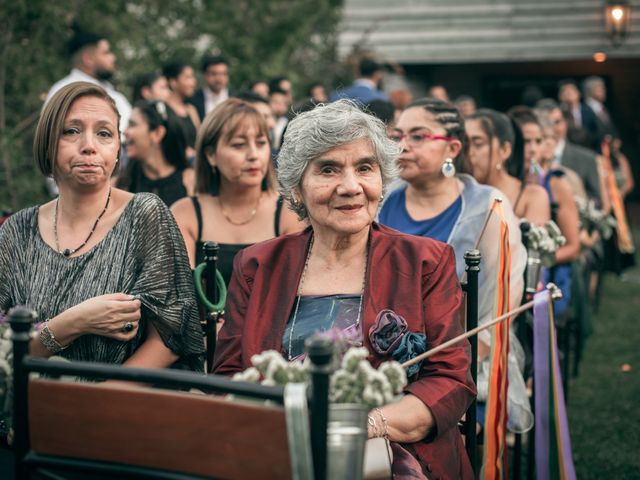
(617, 18)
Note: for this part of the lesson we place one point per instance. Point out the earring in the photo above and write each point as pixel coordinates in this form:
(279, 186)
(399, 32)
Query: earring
(448, 168)
(381, 197)
(499, 167)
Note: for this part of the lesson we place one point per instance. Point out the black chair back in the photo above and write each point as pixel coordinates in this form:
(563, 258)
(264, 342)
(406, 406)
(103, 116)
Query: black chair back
(472, 260)
(86, 430)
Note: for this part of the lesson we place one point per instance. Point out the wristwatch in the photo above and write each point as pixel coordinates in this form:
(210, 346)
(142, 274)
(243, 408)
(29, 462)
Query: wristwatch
(49, 340)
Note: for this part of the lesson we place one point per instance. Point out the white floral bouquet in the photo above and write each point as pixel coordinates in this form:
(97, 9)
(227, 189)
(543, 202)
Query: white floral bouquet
(354, 381)
(593, 219)
(544, 241)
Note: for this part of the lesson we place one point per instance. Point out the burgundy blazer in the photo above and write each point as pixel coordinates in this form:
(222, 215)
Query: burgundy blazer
(413, 276)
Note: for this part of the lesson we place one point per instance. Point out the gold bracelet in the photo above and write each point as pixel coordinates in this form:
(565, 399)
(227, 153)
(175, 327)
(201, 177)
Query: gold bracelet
(385, 433)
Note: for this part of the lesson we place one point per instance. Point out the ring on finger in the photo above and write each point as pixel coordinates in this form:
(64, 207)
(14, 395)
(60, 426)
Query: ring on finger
(127, 327)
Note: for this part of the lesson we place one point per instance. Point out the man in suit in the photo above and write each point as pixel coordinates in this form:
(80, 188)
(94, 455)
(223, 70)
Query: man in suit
(215, 72)
(583, 122)
(595, 94)
(365, 88)
(579, 159)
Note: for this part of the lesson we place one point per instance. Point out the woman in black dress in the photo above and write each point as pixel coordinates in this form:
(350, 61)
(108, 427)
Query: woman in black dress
(156, 145)
(236, 202)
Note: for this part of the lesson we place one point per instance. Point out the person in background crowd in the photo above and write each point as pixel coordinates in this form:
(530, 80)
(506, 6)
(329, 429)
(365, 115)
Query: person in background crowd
(582, 121)
(621, 168)
(261, 104)
(236, 203)
(215, 72)
(400, 98)
(93, 62)
(182, 83)
(595, 94)
(280, 108)
(344, 272)
(383, 111)
(317, 93)
(260, 87)
(365, 88)
(439, 92)
(156, 146)
(579, 159)
(497, 158)
(437, 201)
(151, 86)
(284, 84)
(563, 205)
(548, 152)
(466, 105)
(105, 270)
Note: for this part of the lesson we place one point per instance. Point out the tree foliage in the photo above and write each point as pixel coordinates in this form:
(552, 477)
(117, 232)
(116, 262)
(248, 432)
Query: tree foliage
(261, 39)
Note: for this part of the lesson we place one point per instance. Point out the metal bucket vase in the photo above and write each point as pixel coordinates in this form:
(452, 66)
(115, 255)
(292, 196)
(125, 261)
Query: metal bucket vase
(534, 266)
(346, 440)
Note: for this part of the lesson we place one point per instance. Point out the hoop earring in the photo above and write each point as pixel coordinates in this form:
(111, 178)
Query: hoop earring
(448, 168)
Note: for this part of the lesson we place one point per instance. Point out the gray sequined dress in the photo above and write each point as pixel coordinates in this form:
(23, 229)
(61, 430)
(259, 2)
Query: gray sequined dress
(143, 254)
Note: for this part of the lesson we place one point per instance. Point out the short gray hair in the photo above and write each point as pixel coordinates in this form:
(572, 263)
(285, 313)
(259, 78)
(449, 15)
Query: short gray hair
(590, 83)
(311, 134)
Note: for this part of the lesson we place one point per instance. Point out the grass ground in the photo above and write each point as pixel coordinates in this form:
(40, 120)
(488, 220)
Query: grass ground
(604, 401)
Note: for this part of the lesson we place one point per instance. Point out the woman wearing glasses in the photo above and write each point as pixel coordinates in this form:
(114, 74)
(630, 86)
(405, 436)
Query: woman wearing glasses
(438, 202)
(156, 145)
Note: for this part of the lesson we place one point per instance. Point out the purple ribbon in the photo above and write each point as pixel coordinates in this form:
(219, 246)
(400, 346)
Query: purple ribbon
(548, 382)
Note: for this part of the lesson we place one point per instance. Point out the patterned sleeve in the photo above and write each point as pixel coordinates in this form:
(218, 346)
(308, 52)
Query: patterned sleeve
(165, 282)
(7, 263)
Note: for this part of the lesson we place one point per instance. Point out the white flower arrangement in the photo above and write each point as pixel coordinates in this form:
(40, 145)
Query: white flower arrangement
(544, 241)
(355, 381)
(593, 219)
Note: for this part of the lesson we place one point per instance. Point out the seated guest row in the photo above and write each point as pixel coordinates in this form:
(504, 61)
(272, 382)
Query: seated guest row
(108, 271)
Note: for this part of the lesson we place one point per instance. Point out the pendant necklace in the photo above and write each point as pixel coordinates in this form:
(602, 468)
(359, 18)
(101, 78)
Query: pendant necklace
(68, 252)
(243, 222)
(299, 295)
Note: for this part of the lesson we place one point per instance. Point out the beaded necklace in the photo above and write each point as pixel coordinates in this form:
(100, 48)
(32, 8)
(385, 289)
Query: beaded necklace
(68, 252)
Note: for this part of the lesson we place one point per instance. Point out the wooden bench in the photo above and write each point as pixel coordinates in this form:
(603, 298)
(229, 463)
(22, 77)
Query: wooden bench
(71, 429)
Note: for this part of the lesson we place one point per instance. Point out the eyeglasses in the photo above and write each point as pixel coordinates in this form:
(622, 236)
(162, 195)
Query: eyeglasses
(415, 139)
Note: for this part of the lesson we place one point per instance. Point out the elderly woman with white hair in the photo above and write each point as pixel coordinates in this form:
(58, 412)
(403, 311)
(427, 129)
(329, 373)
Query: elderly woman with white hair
(347, 272)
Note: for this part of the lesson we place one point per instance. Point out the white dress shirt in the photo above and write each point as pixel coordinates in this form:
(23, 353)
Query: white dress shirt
(122, 104)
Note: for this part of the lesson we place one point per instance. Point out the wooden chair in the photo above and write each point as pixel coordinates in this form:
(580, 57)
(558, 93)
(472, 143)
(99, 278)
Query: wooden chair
(68, 429)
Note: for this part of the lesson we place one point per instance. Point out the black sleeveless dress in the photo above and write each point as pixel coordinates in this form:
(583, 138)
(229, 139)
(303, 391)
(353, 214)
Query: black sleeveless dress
(170, 188)
(227, 251)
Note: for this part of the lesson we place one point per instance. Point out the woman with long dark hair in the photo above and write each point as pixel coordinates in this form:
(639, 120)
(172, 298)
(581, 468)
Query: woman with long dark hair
(156, 145)
(497, 158)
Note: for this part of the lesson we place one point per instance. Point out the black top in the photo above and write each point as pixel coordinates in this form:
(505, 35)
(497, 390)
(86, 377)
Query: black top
(170, 188)
(227, 251)
(189, 129)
